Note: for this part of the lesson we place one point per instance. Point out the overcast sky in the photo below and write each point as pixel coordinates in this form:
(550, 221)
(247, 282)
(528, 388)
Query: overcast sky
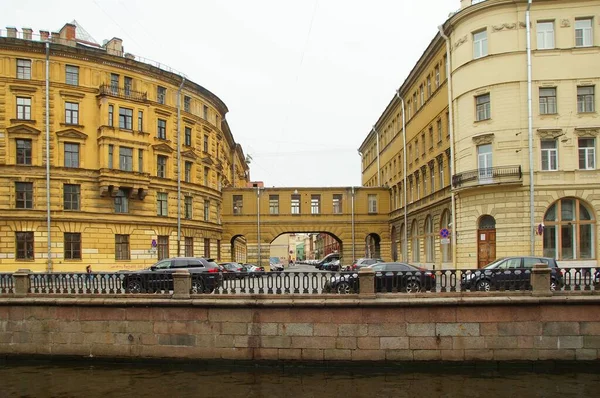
(304, 80)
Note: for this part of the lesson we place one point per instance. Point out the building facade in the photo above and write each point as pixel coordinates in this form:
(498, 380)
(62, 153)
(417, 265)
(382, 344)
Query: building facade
(138, 157)
(499, 209)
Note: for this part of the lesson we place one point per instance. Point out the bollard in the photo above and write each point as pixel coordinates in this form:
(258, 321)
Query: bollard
(22, 282)
(540, 280)
(182, 284)
(366, 279)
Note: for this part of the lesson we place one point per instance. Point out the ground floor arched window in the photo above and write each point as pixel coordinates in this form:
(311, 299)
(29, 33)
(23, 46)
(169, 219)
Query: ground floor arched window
(414, 234)
(429, 240)
(569, 232)
(403, 249)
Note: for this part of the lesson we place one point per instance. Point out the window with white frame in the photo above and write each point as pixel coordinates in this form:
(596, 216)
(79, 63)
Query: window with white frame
(72, 75)
(125, 158)
(23, 108)
(583, 32)
(484, 162)
(315, 204)
(549, 155)
(295, 202)
(337, 204)
(71, 154)
(273, 204)
(437, 76)
(161, 166)
(24, 69)
(480, 45)
(441, 173)
(372, 203)
(545, 35)
(585, 99)
(587, 153)
(483, 107)
(547, 100)
(125, 118)
(440, 132)
(71, 113)
(188, 171)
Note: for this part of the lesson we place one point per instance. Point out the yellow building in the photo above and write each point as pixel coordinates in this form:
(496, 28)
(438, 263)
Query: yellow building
(117, 198)
(499, 209)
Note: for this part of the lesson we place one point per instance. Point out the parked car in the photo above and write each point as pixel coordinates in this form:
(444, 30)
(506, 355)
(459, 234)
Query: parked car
(510, 273)
(389, 277)
(254, 271)
(233, 270)
(275, 264)
(327, 259)
(363, 262)
(159, 277)
(332, 266)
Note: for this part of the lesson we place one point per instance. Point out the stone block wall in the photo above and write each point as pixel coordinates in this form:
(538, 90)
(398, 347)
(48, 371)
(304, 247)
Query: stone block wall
(411, 329)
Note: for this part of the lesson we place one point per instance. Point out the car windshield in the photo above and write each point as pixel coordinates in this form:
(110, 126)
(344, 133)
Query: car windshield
(162, 264)
(212, 264)
(495, 264)
(378, 267)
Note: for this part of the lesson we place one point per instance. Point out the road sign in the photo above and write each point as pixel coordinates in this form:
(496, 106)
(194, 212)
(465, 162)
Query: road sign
(445, 241)
(153, 244)
(444, 233)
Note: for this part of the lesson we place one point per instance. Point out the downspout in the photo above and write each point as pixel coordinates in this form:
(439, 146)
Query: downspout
(258, 222)
(530, 131)
(49, 267)
(405, 245)
(378, 166)
(179, 166)
(451, 131)
(353, 242)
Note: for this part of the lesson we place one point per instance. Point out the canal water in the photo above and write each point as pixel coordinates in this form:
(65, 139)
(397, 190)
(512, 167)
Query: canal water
(84, 379)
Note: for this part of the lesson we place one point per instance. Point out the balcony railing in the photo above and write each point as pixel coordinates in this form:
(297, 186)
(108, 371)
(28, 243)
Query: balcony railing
(123, 92)
(489, 175)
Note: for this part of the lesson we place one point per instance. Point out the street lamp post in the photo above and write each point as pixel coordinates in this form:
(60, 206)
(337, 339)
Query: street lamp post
(405, 245)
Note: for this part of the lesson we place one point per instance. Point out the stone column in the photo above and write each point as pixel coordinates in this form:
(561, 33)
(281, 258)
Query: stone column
(366, 277)
(540, 280)
(182, 284)
(22, 282)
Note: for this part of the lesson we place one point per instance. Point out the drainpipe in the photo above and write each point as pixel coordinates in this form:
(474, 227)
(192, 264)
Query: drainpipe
(179, 166)
(378, 167)
(405, 245)
(530, 131)
(258, 222)
(451, 131)
(353, 243)
(49, 267)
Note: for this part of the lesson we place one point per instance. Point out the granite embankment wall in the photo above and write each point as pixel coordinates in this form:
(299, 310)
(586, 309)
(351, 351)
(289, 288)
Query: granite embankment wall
(323, 329)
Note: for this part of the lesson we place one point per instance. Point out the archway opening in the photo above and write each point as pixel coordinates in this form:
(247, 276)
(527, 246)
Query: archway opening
(303, 247)
(373, 246)
(239, 249)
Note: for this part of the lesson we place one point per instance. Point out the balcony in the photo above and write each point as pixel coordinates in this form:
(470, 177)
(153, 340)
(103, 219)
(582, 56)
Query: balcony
(125, 93)
(490, 175)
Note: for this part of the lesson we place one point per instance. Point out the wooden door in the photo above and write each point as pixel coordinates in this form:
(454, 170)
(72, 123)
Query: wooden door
(486, 246)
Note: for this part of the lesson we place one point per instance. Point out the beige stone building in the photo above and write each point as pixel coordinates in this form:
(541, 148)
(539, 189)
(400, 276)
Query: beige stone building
(488, 148)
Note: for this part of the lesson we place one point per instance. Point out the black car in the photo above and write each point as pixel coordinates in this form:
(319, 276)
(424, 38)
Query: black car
(389, 277)
(510, 273)
(205, 274)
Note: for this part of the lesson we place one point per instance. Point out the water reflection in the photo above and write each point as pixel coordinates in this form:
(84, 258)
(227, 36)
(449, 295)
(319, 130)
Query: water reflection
(46, 379)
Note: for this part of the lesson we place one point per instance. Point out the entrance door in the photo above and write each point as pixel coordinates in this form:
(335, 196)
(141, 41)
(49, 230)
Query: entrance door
(486, 246)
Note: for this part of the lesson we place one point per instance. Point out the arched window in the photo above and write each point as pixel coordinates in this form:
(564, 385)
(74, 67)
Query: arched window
(402, 248)
(446, 248)
(429, 240)
(394, 244)
(487, 222)
(569, 230)
(414, 233)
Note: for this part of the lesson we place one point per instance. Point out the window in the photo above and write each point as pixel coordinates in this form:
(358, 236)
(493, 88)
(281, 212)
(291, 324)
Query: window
(206, 247)
(126, 118)
(430, 137)
(428, 86)
(163, 247)
(189, 246)
(161, 166)
(437, 76)
(315, 204)
(440, 131)
(125, 158)
(161, 204)
(71, 154)
(273, 204)
(161, 129)
(121, 202)
(23, 152)
(545, 35)
(480, 47)
(128, 85)
(238, 204)
(295, 204)
(122, 247)
(110, 155)
(140, 121)
(418, 186)
(549, 155)
(482, 107)
(187, 103)
(414, 103)
(585, 99)
(414, 234)
(206, 171)
(188, 172)
(111, 112)
(429, 240)
(24, 243)
(569, 230)
(372, 203)
(188, 206)
(547, 100)
(432, 178)
(205, 143)
(140, 160)
(583, 32)
(23, 108)
(72, 75)
(416, 149)
(206, 209)
(72, 244)
(161, 94)
(71, 113)
(71, 196)
(114, 83)
(587, 153)
(24, 69)
(24, 195)
(205, 112)
(484, 162)
(441, 173)
(337, 203)
(188, 136)
(421, 96)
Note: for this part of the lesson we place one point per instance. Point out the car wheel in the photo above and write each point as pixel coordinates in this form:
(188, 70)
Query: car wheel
(484, 286)
(134, 286)
(343, 288)
(554, 286)
(413, 287)
(197, 287)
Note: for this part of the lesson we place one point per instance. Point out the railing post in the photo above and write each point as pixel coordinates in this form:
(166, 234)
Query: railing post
(540, 280)
(366, 278)
(182, 284)
(22, 282)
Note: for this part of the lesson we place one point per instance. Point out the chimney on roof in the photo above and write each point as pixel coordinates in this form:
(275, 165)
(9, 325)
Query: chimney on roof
(68, 31)
(114, 46)
(27, 33)
(56, 38)
(44, 34)
(11, 32)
